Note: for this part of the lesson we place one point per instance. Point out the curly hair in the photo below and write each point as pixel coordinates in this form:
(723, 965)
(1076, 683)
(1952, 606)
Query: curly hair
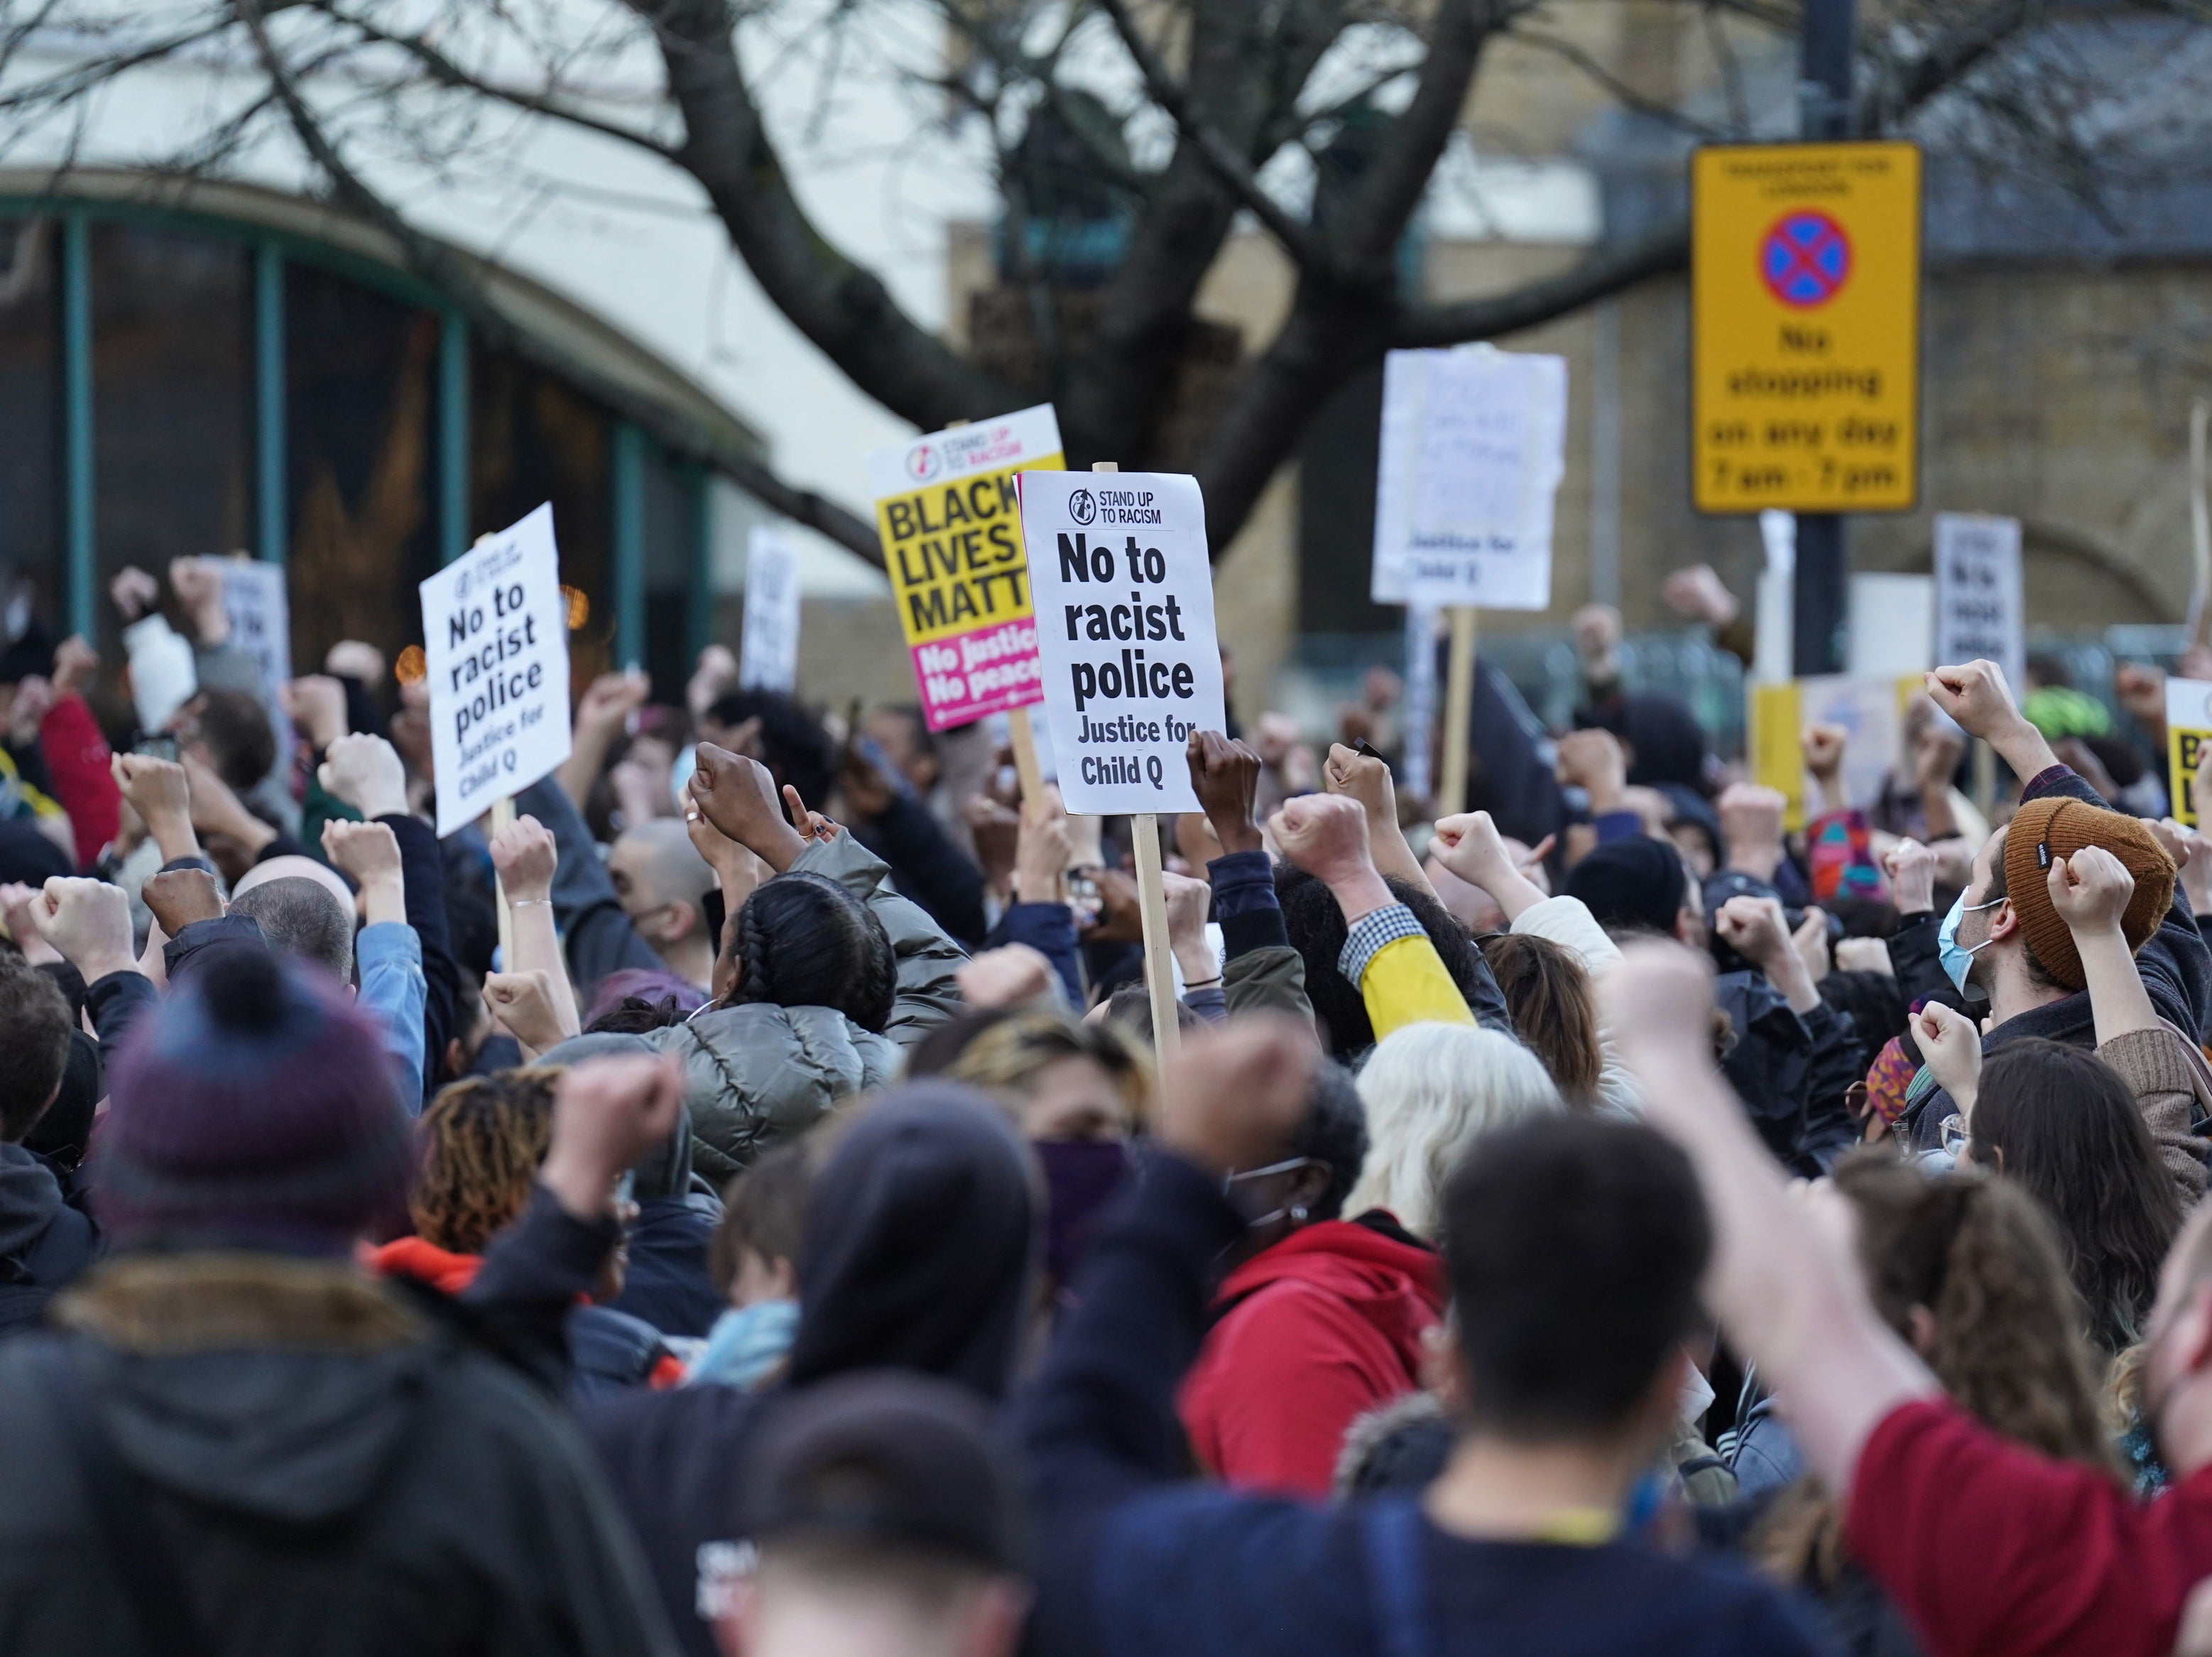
(1554, 1011)
(1979, 1258)
(801, 940)
(482, 1139)
(1315, 923)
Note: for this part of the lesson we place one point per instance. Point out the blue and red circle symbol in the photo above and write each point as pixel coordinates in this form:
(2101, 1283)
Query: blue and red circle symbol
(1804, 259)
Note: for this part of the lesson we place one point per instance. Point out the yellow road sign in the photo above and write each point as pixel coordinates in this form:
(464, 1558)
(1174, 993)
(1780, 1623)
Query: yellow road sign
(1805, 327)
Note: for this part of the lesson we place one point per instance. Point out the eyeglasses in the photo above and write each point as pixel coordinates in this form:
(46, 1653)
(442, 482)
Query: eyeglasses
(1954, 1137)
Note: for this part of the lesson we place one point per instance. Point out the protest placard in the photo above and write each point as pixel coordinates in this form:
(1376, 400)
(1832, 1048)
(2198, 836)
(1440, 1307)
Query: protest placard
(1869, 711)
(2187, 728)
(1473, 444)
(1892, 625)
(1978, 613)
(1124, 593)
(254, 597)
(767, 657)
(496, 649)
(951, 526)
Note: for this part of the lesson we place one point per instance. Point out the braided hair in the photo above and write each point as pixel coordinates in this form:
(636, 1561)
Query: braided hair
(482, 1139)
(802, 939)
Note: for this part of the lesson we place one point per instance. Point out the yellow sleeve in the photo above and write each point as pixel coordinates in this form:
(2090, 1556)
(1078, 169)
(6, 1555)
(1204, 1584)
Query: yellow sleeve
(1404, 983)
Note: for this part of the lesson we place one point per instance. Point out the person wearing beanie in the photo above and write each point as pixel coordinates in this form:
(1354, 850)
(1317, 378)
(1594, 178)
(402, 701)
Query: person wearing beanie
(1789, 1056)
(233, 1438)
(1637, 885)
(2004, 939)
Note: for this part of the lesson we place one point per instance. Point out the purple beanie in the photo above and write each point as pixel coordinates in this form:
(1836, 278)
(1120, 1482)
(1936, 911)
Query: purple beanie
(254, 1107)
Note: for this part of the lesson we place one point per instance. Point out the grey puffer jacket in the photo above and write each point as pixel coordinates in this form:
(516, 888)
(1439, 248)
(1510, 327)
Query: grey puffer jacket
(757, 1073)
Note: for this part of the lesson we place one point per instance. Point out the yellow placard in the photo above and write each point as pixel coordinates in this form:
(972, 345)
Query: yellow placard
(1871, 712)
(1805, 327)
(2181, 751)
(949, 515)
(1776, 715)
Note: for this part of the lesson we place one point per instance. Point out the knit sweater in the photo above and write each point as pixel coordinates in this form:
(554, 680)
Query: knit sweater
(2157, 1069)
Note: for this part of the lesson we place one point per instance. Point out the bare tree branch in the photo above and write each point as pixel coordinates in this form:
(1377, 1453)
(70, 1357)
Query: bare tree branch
(1945, 61)
(1385, 205)
(448, 74)
(1606, 270)
(1246, 60)
(840, 305)
(1220, 155)
(1620, 90)
(438, 264)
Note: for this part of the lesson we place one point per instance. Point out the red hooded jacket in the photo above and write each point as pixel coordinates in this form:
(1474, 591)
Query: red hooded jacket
(1308, 1334)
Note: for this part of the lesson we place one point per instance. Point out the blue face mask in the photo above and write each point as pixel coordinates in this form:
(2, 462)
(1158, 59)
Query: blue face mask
(745, 1344)
(1958, 962)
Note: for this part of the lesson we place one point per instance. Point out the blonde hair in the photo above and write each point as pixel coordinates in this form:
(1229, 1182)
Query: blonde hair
(1431, 1091)
(1007, 1057)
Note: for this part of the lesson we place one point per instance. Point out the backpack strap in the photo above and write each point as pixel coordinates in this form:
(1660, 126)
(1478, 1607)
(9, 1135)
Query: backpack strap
(1392, 1531)
(142, 1558)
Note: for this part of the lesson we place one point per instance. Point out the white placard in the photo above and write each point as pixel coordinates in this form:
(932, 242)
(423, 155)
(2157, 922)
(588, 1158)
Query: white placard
(495, 643)
(1474, 445)
(768, 658)
(1978, 611)
(1124, 598)
(254, 597)
(1892, 621)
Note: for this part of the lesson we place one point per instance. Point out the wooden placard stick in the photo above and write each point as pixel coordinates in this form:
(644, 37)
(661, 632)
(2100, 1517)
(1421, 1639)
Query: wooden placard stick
(502, 816)
(1459, 708)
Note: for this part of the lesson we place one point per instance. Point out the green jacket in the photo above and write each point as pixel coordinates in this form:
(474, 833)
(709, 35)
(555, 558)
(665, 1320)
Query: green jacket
(1270, 979)
(756, 1073)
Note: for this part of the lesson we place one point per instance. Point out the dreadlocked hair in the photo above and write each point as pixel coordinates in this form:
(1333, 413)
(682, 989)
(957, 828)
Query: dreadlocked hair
(1977, 1256)
(802, 941)
(482, 1139)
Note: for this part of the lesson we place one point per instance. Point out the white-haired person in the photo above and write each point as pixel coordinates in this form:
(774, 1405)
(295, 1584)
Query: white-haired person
(1431, 1091)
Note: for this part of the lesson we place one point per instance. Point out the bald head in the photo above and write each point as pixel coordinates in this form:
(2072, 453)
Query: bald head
(300, 916)
(655, 868)
(295, 867)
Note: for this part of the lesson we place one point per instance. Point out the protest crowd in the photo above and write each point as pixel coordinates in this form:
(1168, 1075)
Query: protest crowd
(742, 1204)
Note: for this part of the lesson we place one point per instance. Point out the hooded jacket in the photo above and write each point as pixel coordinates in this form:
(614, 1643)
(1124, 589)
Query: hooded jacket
(44, 1242)
(333, 1468)
(1309, 1336)
(919, 1252)
(756, 1073)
